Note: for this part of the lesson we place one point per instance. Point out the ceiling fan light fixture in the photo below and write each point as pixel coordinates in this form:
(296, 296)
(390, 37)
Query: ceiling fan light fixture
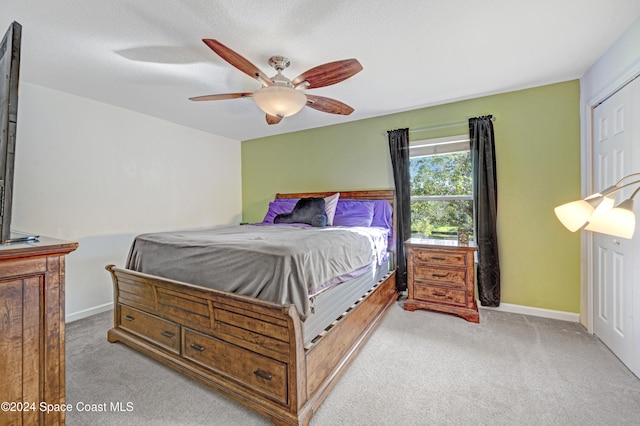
(281, 101)
(280, 97)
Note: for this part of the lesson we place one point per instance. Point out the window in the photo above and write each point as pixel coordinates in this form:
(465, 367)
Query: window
(441, 190)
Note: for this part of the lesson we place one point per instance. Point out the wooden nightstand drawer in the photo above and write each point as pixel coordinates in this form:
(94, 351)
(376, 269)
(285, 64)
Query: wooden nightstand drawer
(435, 257)
(439, 294)
(264, 374)
(456, 277)
(156, 330)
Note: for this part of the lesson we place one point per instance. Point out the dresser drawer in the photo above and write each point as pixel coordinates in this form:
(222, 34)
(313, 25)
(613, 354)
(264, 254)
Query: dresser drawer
(439, 294)
(440, 257)
(455, 277)
(157, 330)
(248, 368)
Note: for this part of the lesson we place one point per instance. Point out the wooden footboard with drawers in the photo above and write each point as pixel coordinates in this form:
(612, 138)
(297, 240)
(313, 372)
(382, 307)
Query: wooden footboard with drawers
(248, 349)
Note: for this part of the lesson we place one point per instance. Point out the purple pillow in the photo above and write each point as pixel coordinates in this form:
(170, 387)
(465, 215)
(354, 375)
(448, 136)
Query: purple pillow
(353, 213)
(382, 214)
(279, 206)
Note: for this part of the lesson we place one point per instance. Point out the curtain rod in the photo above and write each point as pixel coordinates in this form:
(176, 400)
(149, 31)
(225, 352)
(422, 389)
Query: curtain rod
(442, 126)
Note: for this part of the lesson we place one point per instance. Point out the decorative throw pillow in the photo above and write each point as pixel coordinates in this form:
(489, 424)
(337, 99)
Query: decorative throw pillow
(307, 210)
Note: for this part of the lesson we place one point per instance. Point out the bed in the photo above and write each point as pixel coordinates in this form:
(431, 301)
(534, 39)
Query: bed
(277, 353)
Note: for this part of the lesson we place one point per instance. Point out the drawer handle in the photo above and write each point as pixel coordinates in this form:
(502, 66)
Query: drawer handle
(197, 347)
(439, 275)
(128, 317)
(438, 293)
(439, 258)
(168, 334)
(263, 374)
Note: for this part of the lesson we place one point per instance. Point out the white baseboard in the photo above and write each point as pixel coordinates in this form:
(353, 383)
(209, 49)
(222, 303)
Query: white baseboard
(504, 307)
(88, 312)
(536, 312)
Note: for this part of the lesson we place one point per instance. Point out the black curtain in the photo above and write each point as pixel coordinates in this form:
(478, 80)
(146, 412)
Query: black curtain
(399, 149)
(485, 207)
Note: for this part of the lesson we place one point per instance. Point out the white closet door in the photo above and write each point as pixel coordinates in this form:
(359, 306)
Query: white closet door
(612, 262)
(635, 279)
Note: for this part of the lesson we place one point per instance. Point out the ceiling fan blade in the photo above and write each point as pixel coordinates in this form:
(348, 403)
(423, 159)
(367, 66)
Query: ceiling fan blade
(222, 96)
(328, 105)
(273, 119)
(237, 61)
(328, 74)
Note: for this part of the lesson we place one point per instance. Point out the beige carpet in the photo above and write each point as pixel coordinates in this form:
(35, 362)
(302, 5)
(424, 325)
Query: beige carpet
(419, 368)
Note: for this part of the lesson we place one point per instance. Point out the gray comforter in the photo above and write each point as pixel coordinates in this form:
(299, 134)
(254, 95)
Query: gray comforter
(282, 264)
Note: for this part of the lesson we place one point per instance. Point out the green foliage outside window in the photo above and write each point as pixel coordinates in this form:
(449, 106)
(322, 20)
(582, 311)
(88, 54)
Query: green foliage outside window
(441, 175)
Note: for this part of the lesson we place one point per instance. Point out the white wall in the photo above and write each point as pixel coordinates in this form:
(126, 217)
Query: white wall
(619, 64)
(616, 67)
(97, 174)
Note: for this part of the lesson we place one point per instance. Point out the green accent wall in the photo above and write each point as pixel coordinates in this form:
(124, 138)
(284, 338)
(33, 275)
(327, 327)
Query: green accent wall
(537, 135)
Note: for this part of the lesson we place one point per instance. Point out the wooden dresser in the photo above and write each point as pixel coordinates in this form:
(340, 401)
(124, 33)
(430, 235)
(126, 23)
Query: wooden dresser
(441, 277)
(32, 331)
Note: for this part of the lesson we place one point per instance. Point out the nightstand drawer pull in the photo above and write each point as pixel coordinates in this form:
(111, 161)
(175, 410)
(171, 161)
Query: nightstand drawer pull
(438, 293)
(128, 317)
(439, 275)
(197, 347)
(439, 258)
(168, 334)
(263, 374)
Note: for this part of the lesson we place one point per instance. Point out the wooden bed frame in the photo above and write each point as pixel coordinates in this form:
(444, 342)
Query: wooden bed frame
(248, 349)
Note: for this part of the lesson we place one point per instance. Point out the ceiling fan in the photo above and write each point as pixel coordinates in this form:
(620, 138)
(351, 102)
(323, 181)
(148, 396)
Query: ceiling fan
(280, 97)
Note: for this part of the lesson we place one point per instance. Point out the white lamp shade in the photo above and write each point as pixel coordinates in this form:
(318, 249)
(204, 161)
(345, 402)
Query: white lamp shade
(575, 214)
(281, 101)
(619, 221)
(605, 205)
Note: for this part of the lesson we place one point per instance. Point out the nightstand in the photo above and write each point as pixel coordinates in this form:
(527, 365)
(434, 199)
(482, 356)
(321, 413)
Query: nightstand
(441, 277)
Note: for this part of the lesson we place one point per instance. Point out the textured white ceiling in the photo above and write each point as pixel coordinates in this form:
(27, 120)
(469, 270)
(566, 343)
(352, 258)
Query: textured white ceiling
(148, 56)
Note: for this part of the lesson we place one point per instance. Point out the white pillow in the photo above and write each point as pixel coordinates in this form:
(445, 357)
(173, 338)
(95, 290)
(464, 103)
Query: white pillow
(330, 204)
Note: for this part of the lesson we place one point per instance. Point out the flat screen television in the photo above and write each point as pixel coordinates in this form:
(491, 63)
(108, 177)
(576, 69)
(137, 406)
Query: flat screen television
(9, 76)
